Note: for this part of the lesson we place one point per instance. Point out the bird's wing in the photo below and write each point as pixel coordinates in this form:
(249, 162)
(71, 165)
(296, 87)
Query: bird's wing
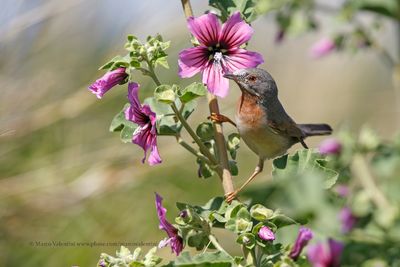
(287, 127)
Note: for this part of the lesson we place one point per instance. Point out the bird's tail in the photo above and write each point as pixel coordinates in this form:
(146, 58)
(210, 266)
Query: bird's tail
(316, 129)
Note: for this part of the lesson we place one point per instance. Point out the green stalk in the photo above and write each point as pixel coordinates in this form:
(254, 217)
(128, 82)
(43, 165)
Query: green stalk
(204, 150)
(216, 244)
(195, 138)
(192, 150)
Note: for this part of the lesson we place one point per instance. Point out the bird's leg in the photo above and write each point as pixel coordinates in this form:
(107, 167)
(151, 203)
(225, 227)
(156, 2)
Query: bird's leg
(232, 195)
(219, 118)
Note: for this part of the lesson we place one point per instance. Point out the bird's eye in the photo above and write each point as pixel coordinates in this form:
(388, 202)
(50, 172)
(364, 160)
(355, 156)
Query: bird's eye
(252, 78)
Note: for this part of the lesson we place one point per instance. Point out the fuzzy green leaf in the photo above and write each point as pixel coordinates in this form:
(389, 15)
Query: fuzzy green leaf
(191, 92)
(166, 93)
(205, 131)
(211, 259)
(302, 162)
(233, 144)
(261, 213)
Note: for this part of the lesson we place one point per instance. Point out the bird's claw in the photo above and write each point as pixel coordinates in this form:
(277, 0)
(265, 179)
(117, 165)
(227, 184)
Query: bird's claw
(215, 117)
(229, 197)
(219, 118)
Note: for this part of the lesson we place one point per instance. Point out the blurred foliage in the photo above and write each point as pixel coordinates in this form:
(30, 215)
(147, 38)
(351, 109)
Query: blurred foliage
(62, 180)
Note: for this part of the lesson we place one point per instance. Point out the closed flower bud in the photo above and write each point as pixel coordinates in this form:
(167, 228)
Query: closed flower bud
(265, 233)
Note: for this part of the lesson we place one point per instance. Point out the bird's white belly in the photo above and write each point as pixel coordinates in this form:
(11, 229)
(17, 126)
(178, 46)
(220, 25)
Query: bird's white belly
(262, 140)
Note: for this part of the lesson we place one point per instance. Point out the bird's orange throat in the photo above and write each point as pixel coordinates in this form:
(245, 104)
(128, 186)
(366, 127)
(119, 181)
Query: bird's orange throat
(249, 110)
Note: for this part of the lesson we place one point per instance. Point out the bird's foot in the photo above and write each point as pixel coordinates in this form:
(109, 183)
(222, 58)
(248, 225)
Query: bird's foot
(229, 197)
(219, 118)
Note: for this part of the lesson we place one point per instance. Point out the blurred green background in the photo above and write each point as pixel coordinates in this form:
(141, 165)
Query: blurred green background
(64, 177)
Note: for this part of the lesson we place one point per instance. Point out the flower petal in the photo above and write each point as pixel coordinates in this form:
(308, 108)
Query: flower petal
(143, 138)
(235, 31)
(336, 249)
(304, 236)
(216, 83)
(192, 61)
(317, 255)
(322, 48)
(135, 112)
(154, 157)
(205, 28)
(174, 240)
(161, 212)
(241, 58)
(266, 234)
(108, 81)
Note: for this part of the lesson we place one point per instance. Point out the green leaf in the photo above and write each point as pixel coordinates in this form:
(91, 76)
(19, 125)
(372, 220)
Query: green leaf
(205, 170)
(233, 144)
(191, 92)
(150, 259)
(211, 259)
(241, 222)
(247, 239)
(162, 61)
(119, 120)
(225, 8)
(233, 168)
(166, 93)
(166, 124)
(115, 63)
(389, 8)
(261, 213)
(281, 220)
(305, 161)
(127, 132)
(121, 124)
(205, 131)
(233, 209)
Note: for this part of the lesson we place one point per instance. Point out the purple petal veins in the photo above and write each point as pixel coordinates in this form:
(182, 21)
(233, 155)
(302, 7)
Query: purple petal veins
(145, 135)
(219, 51)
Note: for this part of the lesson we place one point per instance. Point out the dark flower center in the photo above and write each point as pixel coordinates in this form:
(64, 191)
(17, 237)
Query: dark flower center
(217, 48)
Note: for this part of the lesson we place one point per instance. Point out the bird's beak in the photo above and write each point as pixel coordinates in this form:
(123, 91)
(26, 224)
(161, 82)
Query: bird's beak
(230, 75)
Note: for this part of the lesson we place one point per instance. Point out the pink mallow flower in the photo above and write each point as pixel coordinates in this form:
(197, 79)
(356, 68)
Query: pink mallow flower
(304, 236)
(325, 255)
(145, 135)
(219, 51)
(266, 234)
(323, 47)
(108, 81)
(330, 146)
(174, 240)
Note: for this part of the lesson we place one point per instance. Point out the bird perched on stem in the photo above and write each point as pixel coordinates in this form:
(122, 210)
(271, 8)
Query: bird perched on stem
(262, 122)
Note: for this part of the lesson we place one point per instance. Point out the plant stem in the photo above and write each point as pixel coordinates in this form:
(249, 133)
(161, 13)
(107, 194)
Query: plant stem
(152, 73)
(209, 159)
(360, 168)
(227, 183)
(225, 174)
(249, 256)
(192, 150)
(195, 138)
(216, 244)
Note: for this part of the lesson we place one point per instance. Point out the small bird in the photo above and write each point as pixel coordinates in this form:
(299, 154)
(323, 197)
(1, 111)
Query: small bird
(262, 122)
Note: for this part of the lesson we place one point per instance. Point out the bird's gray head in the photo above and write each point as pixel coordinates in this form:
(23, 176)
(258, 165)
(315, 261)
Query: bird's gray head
(254, 81)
